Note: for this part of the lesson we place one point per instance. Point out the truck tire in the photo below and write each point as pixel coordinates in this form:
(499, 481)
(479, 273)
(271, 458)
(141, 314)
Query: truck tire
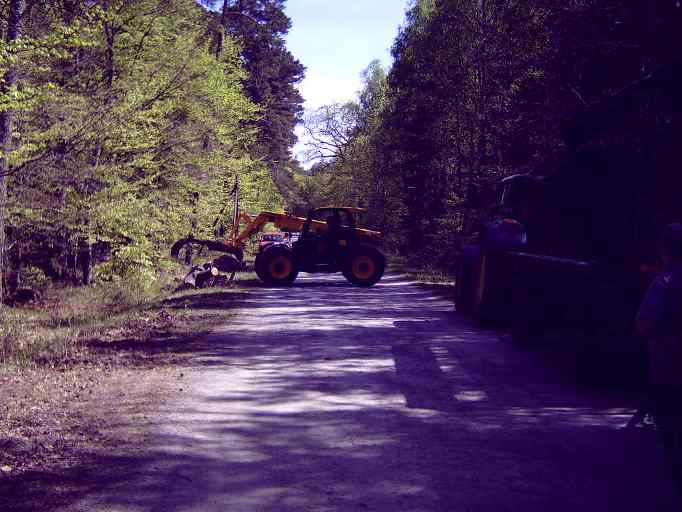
(258, 266)
(492, 298)
(528, 315)
(276, 266)
(464, 286)
(365, 266)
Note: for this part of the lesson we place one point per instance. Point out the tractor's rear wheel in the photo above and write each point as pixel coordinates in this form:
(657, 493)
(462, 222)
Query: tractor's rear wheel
(365, 266)
(276, 267)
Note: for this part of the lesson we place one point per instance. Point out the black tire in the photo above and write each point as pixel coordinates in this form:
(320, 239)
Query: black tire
(258, 266)
(365, 266)
(482, 287)
(486, 310)
(528, 315)
(466, 279)
(276, 266)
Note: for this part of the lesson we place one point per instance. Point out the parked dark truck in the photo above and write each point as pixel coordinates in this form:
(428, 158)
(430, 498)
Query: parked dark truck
(576, 248)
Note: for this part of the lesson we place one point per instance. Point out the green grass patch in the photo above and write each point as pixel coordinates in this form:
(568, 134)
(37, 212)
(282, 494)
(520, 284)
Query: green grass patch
(423, 274)
(69, 321)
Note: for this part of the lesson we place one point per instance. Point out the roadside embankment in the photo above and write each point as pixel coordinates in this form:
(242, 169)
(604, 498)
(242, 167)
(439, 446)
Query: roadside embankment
(73, 365)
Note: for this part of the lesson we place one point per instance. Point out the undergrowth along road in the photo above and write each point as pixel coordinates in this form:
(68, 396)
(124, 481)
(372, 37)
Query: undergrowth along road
(75, 363)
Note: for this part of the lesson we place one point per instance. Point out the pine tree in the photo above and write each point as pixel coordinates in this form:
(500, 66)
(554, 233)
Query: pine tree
(260, 27)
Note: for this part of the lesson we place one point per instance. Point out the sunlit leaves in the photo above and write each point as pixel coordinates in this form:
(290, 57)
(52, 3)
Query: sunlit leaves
(128, 131)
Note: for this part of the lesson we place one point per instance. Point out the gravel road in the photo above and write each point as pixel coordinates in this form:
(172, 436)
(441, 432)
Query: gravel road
(326, 397)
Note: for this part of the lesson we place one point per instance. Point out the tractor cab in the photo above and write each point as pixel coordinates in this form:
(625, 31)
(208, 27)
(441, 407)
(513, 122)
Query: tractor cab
(517, 192)
(327, 236)
(320, 220)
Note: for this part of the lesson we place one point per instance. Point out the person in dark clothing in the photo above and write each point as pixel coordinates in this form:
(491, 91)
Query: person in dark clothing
(659, 319)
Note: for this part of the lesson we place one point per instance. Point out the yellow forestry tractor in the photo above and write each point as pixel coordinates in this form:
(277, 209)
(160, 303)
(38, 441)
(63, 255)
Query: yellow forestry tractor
(329, 241)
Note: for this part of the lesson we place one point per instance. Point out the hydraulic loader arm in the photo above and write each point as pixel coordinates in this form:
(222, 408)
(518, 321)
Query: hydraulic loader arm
(236, 241)
(256, 224)
(282, 221)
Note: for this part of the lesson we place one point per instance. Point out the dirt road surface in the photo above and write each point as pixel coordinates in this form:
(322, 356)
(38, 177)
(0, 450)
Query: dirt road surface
(326, 397)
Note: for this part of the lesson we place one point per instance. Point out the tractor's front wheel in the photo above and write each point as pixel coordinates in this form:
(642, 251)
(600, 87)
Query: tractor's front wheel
(276, 267)
(365, 266)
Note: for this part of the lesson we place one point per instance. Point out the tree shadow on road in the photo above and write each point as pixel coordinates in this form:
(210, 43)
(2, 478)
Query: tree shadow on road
(379, 400)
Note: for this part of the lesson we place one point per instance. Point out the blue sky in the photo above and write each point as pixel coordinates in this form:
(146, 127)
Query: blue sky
(336, 39)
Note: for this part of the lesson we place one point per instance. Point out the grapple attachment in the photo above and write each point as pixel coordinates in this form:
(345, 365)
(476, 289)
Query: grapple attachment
(200, 245)
(202, 275)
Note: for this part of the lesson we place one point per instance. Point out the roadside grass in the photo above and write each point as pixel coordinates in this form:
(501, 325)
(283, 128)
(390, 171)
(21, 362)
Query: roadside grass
(52, 331)
(72, 366)
(63, 328)
(422, 274)
(435, 279)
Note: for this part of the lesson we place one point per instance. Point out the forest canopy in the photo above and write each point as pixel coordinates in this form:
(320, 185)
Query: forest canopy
(480, 90)
(126, 122)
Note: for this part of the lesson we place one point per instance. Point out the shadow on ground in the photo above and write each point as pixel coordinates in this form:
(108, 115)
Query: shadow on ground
(327, 397)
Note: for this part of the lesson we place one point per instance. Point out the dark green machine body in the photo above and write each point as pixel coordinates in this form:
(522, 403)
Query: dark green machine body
(585, 244)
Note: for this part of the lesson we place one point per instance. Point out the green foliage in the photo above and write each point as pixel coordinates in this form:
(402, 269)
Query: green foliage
(344, 143)
(478, 90)
(130, 262)
(58, 332)
(33, 277)
(130, 131)
(260, 28)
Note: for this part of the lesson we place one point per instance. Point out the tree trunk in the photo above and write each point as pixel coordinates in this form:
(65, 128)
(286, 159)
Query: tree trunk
(86, 263)
(235, 221)
(86, 255)
(13, 31)
(75, 278)
(221, 31)
(223, 16)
